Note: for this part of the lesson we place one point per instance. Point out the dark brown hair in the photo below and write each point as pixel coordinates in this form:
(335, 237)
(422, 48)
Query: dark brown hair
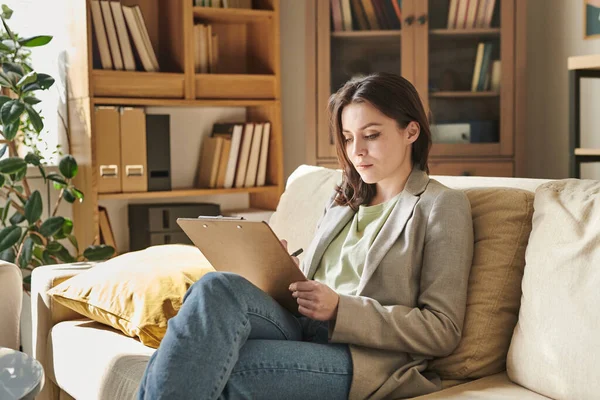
(396, 98)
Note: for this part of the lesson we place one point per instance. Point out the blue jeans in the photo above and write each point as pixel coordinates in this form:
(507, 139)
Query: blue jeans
(230, 340)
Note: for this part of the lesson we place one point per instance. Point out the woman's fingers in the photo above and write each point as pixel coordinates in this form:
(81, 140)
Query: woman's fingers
(308, 304)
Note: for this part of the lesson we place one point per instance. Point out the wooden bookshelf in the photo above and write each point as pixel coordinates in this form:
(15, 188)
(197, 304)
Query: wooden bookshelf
(440, 62)
(247, 76)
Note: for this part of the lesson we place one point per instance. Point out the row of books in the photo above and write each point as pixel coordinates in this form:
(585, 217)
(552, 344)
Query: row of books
(114, 26)
(364, 15)
(469, 14)
(224, 3)
(206, 49)
(234, 155)
(486, 73)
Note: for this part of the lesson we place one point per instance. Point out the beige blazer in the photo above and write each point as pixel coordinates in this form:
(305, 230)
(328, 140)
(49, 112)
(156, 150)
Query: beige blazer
(411, 299)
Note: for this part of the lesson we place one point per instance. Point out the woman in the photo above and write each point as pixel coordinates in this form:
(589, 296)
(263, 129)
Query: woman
(388, 270)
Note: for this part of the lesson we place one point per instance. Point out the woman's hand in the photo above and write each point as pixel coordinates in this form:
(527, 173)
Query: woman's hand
(315, 300)
(296, 260)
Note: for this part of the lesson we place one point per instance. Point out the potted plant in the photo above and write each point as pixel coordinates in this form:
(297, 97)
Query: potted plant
(26, 238)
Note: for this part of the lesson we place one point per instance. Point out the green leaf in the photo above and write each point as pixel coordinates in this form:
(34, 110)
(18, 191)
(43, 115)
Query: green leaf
(4, 99)
(44, 82)
(2, 180)
(35, 118)
(54, 247)
(68, 196)
(35, 41)
(37, 240)
(17, 218)
(6, 11)
(33, 159)
(5, 211)
(7, 29)
(11, 130)
(11, 111)
(9, 236)
(56, 178)
(8, 255)
(12, 165)
(31, 100)
(17, 176)
(78, 193)
(47, 259)
(98, 253)
(42, 172)
(5, 48)
(3, 150)
(51, 226)
(67, 227)
(27, 280)
(68, 166)
(15, 68)
(65, 256)
(73, 241)
(27, 79)
(34, 207)
(26, 252)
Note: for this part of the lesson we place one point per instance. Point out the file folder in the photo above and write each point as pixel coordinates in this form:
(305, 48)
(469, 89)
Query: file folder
(133, 150)
(108, 149)
(158, 150)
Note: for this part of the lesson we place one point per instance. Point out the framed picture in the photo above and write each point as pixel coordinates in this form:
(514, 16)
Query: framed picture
(591, 16)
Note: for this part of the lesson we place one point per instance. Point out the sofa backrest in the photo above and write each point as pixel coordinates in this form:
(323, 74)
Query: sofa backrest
(310, 187)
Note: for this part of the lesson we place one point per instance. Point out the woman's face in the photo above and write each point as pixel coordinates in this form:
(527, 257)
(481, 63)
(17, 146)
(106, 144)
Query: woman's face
(377, 147)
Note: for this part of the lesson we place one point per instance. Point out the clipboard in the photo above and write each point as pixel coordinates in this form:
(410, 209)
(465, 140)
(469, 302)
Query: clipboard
(248, 248)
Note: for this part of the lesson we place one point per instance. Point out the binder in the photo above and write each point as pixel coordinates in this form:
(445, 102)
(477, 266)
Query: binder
(158, 152)
(108, 149)
(133, 150)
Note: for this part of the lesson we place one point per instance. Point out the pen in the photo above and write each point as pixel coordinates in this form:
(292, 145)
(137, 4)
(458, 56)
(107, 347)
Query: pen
(297, 252)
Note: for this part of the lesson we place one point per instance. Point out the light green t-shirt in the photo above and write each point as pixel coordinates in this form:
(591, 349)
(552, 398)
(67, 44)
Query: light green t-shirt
(343, 261)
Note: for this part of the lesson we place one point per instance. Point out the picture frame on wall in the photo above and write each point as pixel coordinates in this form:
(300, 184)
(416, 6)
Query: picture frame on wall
(591, 19)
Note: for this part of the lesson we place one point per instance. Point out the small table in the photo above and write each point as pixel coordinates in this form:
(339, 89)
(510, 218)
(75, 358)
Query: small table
(21, 376)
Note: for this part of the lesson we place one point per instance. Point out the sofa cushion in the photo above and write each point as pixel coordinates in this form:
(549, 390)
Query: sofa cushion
(494, 387)
(136, 292)
(93, 361)
(556, 344)
(501, 225)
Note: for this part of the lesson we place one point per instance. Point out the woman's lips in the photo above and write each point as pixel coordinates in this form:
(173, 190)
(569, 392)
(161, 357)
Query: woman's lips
(364, 166)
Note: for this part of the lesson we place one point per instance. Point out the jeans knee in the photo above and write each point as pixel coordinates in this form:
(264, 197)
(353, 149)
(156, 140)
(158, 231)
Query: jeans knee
(216, 282)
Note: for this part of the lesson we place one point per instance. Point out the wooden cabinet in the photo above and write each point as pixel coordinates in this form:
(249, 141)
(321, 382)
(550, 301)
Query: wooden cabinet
(248, 76)
(440, 62)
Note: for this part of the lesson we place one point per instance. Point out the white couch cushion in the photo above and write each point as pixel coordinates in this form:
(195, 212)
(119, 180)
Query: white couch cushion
(94, 361)
(494, 387)
(555, 347)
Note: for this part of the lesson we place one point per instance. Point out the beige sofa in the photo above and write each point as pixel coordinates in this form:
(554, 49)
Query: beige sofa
(11, 294)
(86, 360)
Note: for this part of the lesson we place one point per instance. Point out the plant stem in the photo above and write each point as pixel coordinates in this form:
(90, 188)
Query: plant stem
(12, 203)
(19, 252)
(44, 241)
(13, 150)
(19, 195)
(60, 195)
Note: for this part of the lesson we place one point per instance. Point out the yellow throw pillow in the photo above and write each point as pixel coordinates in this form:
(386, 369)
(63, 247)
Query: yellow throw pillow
(501, 224)
(137, 292)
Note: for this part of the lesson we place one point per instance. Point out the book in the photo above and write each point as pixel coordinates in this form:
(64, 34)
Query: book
(261, 176)
(124, 42)
(346, 15)
(336, 15)
(240, 173)
(489, 14)
(461, 14)
(223, 161)
(233, 132)
(146, 37)
(477, 68)
(472, 14)
(496, 76)
(208, 166)
(485, 67)
(370, 13)
(481, 7)
(111, 33)
(252, 169)
(452, 14)
(100, 34)
(138, 41)
(360, 18)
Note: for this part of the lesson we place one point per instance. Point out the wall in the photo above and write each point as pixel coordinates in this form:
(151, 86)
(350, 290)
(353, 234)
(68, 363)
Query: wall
(293, 88)
(554, 33)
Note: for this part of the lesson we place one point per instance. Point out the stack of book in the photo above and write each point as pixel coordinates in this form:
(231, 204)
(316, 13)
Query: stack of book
(234, 155)
(364, 15)
(114, 25)
(224, 3)
(486, 73)
(470, 14)
(206, 49)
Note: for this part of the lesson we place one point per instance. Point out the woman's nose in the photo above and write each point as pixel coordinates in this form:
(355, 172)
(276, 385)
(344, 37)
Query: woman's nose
(358, 148)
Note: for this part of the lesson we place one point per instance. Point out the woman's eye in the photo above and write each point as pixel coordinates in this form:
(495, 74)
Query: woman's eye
(347, 140)
(371, 137)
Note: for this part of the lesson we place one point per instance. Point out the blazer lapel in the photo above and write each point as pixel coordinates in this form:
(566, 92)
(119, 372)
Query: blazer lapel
(393, 227)
(334, 221)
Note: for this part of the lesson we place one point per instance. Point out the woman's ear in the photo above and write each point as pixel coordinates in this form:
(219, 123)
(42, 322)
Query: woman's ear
(412, 131)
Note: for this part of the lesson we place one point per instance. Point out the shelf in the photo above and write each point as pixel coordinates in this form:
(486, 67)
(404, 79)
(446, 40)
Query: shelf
(467, 149)
(367, 34)
(184, 193)
(235, 86)
(126, 101)
(587, 152)
(464, 94)
(591, 61)
(232, 15)
(111, 83)
(465, 32)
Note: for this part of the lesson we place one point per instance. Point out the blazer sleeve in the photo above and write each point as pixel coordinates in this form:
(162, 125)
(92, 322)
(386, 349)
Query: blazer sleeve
(434, 327)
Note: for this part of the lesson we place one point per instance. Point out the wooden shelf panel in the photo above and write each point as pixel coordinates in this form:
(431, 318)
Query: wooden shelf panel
(465, 32)
(126, 101)
(184, 193)
(367, 34)
(111, 83)
(591, 61)
(587, 152)
(235, 86)
(466, 94)
(470, 149)
(232, 15)
(469, 168)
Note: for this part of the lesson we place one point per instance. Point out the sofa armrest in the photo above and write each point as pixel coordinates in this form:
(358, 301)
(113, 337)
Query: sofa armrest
(11, 298)
(45, 312)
